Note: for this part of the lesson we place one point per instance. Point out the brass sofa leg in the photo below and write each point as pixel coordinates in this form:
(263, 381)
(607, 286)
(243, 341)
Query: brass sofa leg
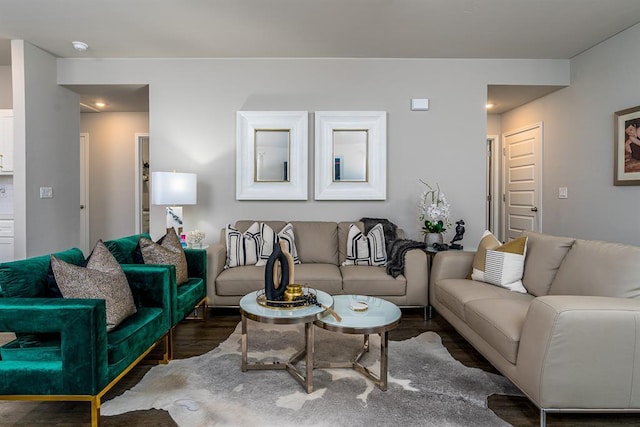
(168, 346)
(95, 411)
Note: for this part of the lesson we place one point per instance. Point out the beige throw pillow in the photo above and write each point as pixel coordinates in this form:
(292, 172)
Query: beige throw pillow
(503, 265)
(168, 251)
(102, 278)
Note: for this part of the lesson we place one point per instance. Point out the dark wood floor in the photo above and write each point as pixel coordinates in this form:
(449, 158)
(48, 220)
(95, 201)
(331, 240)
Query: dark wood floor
(196, 337)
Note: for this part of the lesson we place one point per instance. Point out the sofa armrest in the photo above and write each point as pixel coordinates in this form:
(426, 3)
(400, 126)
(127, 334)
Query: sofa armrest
(153, 286)
(196, 262)
(82, 326)
(451, 265)
(218, 257)
(416, 271)
(581, 352)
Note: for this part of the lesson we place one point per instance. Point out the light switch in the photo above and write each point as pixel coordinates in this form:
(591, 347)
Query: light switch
(46, 192)
(563, 193)
(419, 104)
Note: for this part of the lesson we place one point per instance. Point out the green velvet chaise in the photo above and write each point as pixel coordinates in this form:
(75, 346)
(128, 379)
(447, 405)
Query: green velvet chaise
(63, 351)
(184, 298)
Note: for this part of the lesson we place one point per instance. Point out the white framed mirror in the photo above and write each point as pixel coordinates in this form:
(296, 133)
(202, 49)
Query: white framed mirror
(350, 155)
(271, 155)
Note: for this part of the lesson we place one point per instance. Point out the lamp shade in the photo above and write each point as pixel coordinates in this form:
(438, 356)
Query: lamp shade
(173, 188)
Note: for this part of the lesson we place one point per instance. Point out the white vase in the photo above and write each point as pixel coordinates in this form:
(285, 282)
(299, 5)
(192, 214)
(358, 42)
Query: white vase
(431, 238)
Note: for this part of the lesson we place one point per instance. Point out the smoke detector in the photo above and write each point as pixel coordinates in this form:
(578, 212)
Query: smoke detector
(80, 46)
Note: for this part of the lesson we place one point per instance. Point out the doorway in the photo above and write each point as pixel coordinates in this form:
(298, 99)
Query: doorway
(143, 179)
(494, 186)
(522, 180)
(85, 231)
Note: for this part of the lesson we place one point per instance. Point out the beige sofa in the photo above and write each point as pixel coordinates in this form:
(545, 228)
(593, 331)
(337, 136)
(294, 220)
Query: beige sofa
(572, 343)
(321, 247)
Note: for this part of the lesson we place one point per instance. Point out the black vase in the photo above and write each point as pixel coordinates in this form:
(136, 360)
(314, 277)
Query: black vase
(272, 292)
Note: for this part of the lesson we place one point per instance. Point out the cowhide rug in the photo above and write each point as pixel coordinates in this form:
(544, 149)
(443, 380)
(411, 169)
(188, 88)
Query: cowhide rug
(427, 387)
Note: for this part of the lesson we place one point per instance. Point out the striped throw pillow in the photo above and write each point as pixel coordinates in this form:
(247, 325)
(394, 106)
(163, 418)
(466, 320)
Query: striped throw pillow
(366, 249)
(269, 239)
(242, 248)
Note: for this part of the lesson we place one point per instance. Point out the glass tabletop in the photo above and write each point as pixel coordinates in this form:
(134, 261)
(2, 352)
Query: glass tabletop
(250, 308)
(380, 315)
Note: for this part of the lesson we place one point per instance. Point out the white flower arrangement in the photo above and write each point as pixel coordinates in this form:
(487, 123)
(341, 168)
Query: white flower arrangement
(434, 210)
(195, 237)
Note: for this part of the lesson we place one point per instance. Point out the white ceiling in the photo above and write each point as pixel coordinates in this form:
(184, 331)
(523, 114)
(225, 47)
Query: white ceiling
(549, 29)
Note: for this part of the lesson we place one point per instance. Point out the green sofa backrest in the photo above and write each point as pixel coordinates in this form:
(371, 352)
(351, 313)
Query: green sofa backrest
(28, 278)
(124, 248)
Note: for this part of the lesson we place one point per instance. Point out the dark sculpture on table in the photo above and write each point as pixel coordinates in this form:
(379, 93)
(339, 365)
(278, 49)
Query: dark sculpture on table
(277, 275)
(459, 234)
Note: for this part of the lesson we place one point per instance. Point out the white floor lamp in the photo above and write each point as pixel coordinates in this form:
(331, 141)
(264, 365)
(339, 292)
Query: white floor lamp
(174, 189)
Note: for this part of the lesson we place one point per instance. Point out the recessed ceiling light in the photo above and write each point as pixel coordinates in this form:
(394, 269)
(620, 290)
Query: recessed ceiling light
(100, 104)
(80, 46)
(489, 106)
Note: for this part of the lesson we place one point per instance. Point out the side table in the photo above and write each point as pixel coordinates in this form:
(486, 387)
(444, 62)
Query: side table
(379, 318)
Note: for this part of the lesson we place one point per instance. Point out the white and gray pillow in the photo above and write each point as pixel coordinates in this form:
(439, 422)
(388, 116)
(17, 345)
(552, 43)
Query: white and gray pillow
(366, 249)
(102, 278)
(242, 248)
(269, 238)
(503, 265)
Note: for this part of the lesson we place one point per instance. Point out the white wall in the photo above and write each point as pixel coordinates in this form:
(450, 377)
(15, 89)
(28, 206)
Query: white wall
(112, 171)
(46, 147)
(193, 103)
(578, 143)
(6, 94)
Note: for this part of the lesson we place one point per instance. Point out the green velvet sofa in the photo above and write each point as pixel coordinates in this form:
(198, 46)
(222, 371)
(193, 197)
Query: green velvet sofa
(63, 350)
(184, 298)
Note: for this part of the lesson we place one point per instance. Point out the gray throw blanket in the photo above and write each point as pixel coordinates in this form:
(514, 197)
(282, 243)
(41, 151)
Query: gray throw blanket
(396, 248)
(395, 256)
(390, 229)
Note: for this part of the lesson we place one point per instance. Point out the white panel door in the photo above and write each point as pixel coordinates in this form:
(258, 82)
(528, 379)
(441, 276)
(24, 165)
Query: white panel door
(6, 141)
(522, 180)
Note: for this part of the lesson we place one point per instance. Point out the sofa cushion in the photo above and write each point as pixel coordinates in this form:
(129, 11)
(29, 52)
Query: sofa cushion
(188, 296)
(125, 249)
(499, 322)
(325, 277)
(504, 265)
(132, 337)
(240, 280)
(316, 242)
(269, 238)
(363, 280)
(102, 278)
(599, 269)
(167, 251)
(454, 294)
(544, 255)
(242, 247)
(27, 278)
(369, 249)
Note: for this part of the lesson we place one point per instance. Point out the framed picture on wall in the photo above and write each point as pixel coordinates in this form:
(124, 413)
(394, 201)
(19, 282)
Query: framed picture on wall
(627, 147)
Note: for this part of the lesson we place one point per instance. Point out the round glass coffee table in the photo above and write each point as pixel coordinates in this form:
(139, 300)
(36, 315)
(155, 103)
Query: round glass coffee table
(362, 315)
(251, 309)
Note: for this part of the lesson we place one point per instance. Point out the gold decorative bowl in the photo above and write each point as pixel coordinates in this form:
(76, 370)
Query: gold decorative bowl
(292, 292)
